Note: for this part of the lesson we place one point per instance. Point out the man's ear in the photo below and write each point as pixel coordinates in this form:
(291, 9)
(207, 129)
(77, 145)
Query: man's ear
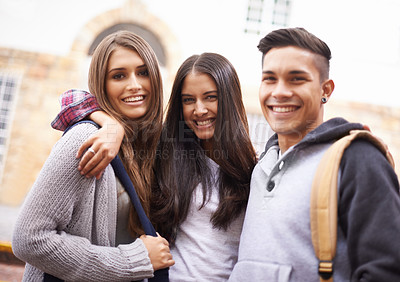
(327, 87)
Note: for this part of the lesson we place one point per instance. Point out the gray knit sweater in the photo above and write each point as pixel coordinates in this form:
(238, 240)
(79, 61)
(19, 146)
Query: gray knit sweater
(67, 223)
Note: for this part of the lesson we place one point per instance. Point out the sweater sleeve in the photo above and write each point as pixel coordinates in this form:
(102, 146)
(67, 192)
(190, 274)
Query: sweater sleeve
(369, 213)
(58, 201)
(75, 106)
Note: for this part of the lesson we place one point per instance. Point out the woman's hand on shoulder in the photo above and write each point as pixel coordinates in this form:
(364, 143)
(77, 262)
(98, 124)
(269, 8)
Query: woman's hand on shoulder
(101, 147)
(159, 253)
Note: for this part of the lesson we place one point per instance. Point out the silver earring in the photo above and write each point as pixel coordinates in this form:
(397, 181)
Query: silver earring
(324, 100)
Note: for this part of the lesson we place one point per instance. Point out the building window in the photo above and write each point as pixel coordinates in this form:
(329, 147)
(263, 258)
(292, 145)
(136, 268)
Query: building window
(254, 16)
(8, 91)
(280, 15)
(264, 15)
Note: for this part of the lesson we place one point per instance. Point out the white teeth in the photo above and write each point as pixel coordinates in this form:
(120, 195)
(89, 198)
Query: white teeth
(283, 109)
(205, 122)
(134, 99)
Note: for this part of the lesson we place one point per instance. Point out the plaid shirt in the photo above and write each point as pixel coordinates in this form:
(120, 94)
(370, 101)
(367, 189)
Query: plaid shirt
(75, 106)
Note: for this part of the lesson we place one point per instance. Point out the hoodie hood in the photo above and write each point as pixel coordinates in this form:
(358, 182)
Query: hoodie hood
(328, 131)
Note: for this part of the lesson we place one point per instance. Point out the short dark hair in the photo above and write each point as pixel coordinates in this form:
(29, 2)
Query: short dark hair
(298, 37)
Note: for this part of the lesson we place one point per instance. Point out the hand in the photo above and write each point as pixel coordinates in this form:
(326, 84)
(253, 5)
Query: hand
(105, 143)
(158, 249)
(366, 127)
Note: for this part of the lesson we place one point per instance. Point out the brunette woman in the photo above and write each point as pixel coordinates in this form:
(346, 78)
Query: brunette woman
(203, 169)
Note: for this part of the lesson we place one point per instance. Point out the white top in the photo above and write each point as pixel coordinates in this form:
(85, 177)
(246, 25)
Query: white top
(201, 252)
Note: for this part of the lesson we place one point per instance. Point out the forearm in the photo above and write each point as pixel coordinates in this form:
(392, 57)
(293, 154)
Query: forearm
(110, 124)
(74, 258)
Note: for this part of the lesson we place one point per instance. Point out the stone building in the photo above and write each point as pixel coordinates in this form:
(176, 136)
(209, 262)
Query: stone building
(31, 83)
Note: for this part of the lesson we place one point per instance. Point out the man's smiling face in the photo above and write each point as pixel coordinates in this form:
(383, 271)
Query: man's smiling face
(291, 91)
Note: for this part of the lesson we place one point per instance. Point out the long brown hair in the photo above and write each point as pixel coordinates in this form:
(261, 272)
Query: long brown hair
(138, 147)
(182, 164)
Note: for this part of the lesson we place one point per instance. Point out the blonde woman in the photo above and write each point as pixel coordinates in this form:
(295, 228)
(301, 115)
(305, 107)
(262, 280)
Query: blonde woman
(84, 229)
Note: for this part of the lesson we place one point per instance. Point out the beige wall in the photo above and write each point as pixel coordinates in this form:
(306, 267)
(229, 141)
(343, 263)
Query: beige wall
(383, 121)
(44, 78)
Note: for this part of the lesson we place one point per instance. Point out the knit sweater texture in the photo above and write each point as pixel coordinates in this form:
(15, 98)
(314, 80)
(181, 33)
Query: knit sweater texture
(275, 244)
(67, 223)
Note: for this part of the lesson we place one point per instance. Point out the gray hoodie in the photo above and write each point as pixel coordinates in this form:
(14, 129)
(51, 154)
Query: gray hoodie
(275, 244)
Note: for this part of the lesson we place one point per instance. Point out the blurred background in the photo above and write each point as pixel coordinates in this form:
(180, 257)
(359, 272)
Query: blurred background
(46, 45)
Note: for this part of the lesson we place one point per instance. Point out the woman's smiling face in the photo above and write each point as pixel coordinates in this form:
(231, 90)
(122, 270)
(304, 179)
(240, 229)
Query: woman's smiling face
(200, 104)
(128, 83)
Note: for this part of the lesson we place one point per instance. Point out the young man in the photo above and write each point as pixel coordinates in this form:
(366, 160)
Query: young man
(276, 239)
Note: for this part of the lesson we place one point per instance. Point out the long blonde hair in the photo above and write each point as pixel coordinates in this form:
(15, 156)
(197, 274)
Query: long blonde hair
(139, 145)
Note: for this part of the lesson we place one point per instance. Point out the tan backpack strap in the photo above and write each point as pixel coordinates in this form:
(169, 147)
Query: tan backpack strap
(323, 207)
